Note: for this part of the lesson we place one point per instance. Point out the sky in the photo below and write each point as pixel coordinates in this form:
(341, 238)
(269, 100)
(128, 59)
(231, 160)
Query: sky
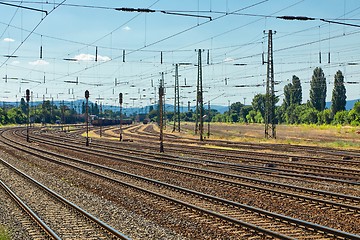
(58, 49)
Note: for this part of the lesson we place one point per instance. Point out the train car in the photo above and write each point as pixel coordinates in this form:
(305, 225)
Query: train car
(109, 122)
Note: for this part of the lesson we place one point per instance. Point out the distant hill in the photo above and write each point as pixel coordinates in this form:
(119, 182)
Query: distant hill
(221, 109)
(349, 104)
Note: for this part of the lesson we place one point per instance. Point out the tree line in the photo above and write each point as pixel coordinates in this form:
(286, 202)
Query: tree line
(291, 111)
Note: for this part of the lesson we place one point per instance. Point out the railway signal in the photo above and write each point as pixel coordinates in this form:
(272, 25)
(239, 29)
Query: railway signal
(28, 114)
(161, 109)
(87, 116)
(121, 102)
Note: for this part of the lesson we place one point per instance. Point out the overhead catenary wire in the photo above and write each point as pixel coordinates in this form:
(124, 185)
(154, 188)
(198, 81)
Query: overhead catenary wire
(137, 61)
(27, 37)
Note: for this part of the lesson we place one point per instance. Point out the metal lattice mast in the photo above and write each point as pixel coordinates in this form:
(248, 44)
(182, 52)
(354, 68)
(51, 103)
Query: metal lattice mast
(270, 126)
(200, 97)
(176, 99)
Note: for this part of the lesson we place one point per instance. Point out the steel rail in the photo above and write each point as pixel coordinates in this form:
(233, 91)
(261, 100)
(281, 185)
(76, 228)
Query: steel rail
(103, 153)
(243, 168)
(280, 217)
(68, 203)
(30, 212)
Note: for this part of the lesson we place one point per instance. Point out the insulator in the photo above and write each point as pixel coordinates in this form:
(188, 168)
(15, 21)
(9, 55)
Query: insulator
(96, 54)
(123, 55)
(208, 56)
(319, 57)
(41, 52)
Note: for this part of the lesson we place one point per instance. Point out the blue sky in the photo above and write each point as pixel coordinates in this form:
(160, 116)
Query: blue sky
(74, 32)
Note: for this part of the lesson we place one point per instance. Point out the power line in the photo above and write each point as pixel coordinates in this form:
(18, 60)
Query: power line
(42, 19)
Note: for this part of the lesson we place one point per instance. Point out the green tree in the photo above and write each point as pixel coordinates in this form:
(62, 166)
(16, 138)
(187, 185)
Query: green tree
(308, 115)
(244, 112)
(236, 107)
(354, 115)
(219, 118)
(296, 91)
(83, 108)
(287, 95)
(251, 116)
(318, 89)
(23, 105)
(338, 100)
(324, 117)
(15, 115)
(258, 103)
(341, 117)
(291, 116)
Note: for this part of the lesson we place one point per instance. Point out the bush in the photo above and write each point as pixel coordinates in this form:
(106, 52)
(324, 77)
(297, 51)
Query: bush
(341, 117)
(324, 117)
(4, 233)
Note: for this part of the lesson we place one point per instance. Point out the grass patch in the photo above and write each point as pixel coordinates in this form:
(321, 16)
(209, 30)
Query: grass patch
(219, 147)
(4, 233)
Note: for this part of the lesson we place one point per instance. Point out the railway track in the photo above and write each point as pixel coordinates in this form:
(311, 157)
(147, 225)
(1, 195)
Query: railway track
(215, 165)
(267, 164)
(58, 217)
(25, 216)
(149, 130)
(341, 201)
(282, 147)
(221, 207)
(326, 153)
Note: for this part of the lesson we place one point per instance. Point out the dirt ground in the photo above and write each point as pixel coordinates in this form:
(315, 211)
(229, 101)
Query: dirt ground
(327, 136)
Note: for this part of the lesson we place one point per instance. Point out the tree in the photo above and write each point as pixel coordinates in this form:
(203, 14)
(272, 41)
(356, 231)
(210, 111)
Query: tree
(236, 107)
(341, 117)
(287, 95)
(83, 108)
(318, 89)
(338, 100)
(296, 91)
(324, 117)
(23, 105)
(293, 93)
(251, 116)
(244, 112)
(258, 103)
(308, 115)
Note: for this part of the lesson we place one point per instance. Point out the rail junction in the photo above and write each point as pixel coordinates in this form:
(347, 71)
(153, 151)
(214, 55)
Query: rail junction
(197, 190)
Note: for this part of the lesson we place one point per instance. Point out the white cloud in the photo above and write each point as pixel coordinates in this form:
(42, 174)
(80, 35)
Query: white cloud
(9, 40)
(228, 59)
(39, 62)
(15, 62)
(126, 28)
(90, 57)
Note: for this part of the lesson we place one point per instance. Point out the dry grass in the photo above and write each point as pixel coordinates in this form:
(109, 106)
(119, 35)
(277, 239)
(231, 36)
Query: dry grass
(344, 137)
